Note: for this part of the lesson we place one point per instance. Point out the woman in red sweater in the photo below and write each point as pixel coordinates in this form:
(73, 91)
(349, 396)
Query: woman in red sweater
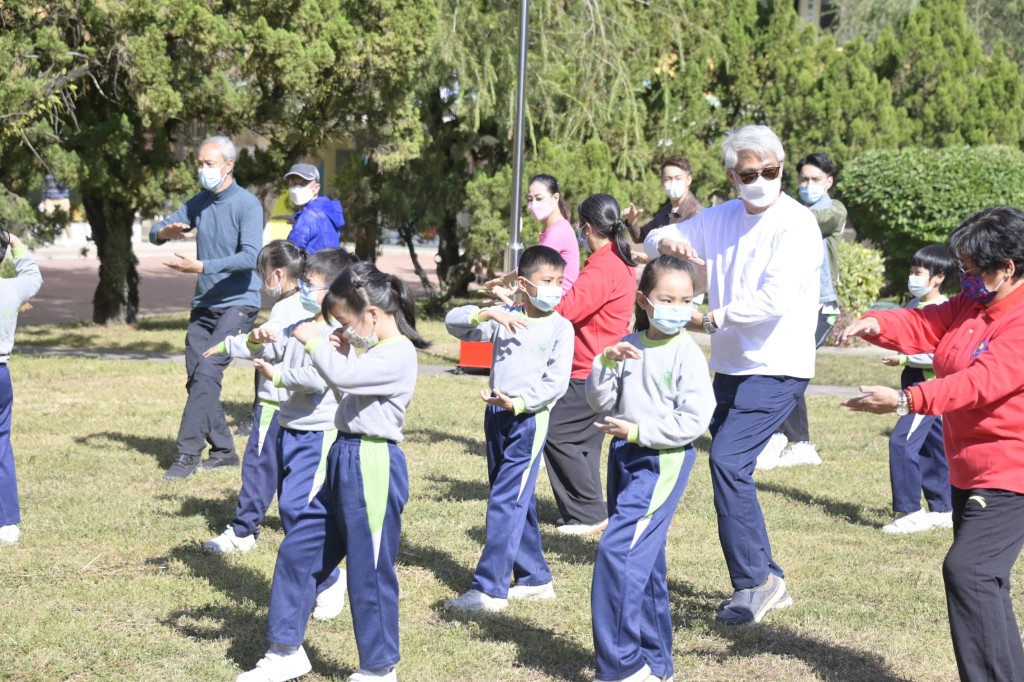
(977, 339)
(599, 305)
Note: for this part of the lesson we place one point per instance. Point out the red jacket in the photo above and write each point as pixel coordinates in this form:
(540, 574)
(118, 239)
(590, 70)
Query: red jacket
(978, 385)
(599, 305)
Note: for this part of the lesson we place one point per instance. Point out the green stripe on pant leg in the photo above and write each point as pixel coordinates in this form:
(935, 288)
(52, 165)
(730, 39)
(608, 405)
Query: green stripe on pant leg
(375, 468)
(330, 435)
(267, 416)
(540, 433)
(670, 463)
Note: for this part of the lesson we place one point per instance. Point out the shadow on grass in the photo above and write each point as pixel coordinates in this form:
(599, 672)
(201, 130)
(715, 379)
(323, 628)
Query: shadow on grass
(165, 450)
(473, 446)
(692, 609)
(219, 513)
(856, 514)
(457, 490)
(537, 648)
(237, 622)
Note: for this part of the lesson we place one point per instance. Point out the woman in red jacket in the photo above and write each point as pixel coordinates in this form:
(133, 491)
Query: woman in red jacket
(977, 339)
(599, 305)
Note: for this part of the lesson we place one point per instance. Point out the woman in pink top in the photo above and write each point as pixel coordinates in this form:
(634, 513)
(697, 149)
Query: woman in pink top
(546, 204)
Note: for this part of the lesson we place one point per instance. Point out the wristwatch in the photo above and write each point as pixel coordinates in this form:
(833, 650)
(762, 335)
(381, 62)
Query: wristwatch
(902, 404)
(709, 326)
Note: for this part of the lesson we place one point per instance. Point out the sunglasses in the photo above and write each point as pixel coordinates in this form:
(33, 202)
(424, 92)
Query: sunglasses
(749, 176)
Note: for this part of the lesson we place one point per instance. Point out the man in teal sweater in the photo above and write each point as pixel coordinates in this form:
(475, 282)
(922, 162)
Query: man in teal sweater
(227, 223)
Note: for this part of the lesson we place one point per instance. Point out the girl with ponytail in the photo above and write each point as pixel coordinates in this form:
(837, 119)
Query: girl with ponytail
(599, 305)
(357, 512)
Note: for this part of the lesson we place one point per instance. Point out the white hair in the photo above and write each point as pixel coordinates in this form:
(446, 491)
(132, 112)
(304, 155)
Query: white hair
(760, 141)
(224, 143)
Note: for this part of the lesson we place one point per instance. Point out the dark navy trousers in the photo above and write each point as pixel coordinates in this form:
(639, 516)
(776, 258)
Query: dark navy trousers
(513, 545)
(357, 514)
(10, 511)
(748, 410)
(917, 458)
(259, 471)
(629, 601)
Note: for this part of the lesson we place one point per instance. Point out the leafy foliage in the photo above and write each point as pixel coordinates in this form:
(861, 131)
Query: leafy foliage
(902, 200)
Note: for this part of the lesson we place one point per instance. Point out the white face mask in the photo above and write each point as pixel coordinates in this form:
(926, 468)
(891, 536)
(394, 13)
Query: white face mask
(300, 195)
(761, 192)
(361, 342)
(209, 178)
(548, 296)
(918, 285)
(675, 190)
(670, 319)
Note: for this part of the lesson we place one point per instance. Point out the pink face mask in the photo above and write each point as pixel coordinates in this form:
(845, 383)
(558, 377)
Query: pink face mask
(541, 211)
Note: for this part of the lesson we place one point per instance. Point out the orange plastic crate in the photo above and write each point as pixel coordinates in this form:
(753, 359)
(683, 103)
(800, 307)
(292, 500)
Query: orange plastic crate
(475, 354)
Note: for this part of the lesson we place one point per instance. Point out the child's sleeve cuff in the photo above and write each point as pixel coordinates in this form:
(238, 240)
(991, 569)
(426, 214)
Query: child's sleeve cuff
(518, 406)
(18, 252)
(607, 362)
(314, 344)
(634, 434)
(277, 378)
(474, 317)
(222, 347)
(903, 360)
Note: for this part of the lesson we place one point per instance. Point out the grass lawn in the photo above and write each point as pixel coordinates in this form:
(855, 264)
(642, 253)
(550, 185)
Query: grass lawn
(108, 581)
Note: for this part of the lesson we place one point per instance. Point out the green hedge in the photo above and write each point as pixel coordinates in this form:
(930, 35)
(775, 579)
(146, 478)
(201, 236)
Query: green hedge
(861, 276)
(902, 200)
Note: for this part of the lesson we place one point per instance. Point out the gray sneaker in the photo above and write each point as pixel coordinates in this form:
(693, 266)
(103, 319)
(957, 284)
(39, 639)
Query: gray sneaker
(183, 467)
(749, 606)
(783, 603)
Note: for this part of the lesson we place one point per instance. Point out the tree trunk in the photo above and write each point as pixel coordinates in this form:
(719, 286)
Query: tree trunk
(450, 258)
(116, 300)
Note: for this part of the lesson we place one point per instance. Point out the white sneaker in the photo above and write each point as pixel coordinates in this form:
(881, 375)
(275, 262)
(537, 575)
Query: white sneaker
(912, 522)
(532, 592)
(582, 528)
(475, 600)
(229, 542)
(769, 457)
(800, 453)
(9, 535)
(275, 667)
(941, 519)
(364, 675)
(331, 601)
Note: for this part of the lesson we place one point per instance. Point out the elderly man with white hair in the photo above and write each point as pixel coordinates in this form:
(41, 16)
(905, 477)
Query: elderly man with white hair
(227, 223)
(762, 253)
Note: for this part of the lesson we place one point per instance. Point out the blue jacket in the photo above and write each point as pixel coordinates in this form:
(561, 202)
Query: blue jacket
(318, 225)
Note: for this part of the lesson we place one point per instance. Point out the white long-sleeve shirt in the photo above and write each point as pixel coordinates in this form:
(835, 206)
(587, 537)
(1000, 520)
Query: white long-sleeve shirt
(763, 277)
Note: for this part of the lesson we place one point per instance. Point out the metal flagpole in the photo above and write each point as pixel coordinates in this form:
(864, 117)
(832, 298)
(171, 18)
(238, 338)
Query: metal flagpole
(515, 245)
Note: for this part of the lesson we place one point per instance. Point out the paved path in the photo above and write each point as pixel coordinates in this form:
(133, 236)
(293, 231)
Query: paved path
(70, 278)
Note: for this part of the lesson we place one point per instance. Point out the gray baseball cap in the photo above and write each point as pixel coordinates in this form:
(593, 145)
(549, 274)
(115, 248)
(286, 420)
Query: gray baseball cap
(306, 171)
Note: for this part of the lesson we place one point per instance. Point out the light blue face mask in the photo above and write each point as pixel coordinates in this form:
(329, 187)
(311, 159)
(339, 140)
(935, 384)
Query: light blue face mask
(547, 297)
(209, 178)
(670, 319)
(811, 194)
(918, 285)
(308, 300)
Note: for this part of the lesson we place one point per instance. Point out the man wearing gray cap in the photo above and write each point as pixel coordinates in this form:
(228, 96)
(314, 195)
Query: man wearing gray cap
(318, 220)
(227, 223)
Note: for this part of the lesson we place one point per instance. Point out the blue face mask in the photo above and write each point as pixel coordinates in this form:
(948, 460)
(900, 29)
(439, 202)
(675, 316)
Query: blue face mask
(810, 194)
(210, 178)
(974, 288)
(308, 300)
(547, 297)
(670, 319)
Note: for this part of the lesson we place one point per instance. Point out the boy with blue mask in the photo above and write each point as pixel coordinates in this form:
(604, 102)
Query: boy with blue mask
(532, 361)
(917, 453)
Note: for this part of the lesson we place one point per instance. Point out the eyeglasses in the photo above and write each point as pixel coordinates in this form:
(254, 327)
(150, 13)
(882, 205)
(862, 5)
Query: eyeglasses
(749, 176)
(307, 288)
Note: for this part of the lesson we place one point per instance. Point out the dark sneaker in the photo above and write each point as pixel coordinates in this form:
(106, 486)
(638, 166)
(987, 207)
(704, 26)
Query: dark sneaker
(748, 607)
(183, 467)
(217, 462)
(244, 427)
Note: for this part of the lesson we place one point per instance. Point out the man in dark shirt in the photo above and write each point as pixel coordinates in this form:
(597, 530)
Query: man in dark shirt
(681, 205)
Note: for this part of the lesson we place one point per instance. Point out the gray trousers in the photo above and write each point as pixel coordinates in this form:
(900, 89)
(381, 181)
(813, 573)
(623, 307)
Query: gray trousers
(202, 420)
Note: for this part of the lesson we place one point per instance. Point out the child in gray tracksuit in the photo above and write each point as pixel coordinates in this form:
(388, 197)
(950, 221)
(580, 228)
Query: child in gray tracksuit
(14, 293)
(532, 361)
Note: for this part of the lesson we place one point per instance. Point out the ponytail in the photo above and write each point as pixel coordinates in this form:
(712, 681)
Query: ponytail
(603, 214)
(406, 313)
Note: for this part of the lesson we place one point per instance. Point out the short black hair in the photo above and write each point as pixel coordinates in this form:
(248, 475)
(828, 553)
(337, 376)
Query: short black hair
(990, 237)
(936, 259)
(329, 263)
(537, 257)
(818, 160)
